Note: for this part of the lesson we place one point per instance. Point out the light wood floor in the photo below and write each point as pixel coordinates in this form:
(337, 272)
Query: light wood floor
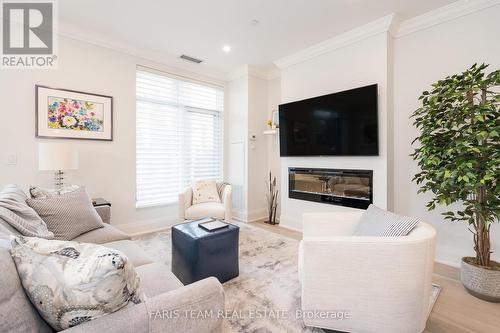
(455, 310)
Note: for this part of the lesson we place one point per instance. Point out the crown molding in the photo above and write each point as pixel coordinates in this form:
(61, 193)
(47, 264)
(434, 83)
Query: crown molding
(443, 14)
(175, 64)
(237, 73)
(390, 24)
(250, 70)
(373, 28)
(263, 73)
(274, 73)
(257, 72)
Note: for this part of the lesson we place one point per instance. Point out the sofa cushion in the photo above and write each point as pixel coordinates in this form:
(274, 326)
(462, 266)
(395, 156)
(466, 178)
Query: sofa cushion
(21, 217)
(134, 253)
(17, 314)
(106, 234)
(156, 279)
(379, 222)
(70, 283)
(68, 215)
(207, 209)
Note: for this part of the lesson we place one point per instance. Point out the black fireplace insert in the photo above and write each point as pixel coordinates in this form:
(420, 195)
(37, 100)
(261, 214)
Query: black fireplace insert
(350, 188)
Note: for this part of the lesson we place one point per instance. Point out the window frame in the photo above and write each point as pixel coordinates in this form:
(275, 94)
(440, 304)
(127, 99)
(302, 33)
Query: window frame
(218, 115)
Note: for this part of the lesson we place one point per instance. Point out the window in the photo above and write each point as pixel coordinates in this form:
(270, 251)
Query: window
(178, 136)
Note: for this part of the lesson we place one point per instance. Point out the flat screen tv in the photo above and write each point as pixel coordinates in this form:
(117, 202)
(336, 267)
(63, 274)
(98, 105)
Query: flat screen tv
(340, 124)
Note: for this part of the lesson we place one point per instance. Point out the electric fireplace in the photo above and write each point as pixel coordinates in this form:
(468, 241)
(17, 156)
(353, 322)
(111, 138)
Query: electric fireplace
(350, 188)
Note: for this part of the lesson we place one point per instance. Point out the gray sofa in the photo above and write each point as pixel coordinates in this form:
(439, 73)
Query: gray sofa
(165, 294)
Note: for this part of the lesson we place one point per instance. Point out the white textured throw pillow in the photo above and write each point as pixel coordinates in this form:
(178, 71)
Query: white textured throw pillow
(205, 191)
(70, 283)
(379, 222)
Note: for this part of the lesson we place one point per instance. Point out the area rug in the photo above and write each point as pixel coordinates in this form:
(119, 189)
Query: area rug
(267, 290)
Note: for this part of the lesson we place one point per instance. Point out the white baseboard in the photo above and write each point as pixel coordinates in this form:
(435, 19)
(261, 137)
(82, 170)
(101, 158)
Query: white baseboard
(249, 217)
(284, 226)
(290, 223)
(246, 220)
(447, 263)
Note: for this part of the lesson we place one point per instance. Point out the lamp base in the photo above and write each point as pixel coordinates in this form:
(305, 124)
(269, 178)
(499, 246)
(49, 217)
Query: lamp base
(59, 180)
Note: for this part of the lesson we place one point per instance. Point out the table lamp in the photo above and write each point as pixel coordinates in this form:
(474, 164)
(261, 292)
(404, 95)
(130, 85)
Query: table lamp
(57, 157)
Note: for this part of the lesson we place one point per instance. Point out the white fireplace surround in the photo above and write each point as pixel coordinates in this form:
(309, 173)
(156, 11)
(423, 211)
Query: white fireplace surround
(339, 70)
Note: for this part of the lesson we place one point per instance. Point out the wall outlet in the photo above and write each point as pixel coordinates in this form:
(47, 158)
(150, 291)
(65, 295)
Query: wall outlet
(11, 159)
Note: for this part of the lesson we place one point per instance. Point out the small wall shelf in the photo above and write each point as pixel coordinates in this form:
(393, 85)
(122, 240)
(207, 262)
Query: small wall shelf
(271, 132)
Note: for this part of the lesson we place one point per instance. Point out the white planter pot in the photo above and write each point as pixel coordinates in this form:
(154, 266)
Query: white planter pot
(481, 282)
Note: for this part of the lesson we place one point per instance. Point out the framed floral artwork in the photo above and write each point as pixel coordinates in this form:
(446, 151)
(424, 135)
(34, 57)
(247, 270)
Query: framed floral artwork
(70, 114)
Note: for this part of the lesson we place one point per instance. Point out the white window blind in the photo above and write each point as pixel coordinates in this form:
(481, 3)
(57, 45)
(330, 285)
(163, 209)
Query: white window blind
(178, 136)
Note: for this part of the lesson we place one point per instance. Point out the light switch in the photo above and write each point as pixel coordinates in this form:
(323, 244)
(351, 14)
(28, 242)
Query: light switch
(11, 159)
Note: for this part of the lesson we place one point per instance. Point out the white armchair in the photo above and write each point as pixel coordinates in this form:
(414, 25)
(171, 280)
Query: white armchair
(222, 210)
(382, 283)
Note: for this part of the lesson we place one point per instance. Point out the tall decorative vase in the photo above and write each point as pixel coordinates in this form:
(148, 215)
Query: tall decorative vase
(272, 199)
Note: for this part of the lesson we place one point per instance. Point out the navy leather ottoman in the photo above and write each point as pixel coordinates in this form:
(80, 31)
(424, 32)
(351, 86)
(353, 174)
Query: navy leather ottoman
(198, 254)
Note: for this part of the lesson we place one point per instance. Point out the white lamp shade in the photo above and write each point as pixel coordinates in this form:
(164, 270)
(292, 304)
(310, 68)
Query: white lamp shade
(57, 156)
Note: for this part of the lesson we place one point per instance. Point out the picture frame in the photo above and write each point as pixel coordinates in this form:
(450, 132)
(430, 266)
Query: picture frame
(71, 114)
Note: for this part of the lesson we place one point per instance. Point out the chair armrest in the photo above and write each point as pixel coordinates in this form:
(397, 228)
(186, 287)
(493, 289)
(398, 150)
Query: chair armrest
(330, 224)
(105, 213)
(175, 311)
(185, 201)
(228, 203)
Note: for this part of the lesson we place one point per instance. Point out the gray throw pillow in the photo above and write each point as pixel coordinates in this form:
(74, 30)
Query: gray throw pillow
(70, 283)
(378, 222)
(68, 215)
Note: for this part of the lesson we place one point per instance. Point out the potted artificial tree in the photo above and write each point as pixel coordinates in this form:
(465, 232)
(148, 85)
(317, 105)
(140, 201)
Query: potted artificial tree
(459, 158)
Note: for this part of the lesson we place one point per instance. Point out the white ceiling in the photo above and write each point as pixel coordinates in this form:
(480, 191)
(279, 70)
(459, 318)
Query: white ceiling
(200, 28)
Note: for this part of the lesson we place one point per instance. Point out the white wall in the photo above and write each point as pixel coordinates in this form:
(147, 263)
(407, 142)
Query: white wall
(353, 66)
(420, 59)
(237, 132)
(106, 168)
(257, 152)
(247, 97)
(273, 152)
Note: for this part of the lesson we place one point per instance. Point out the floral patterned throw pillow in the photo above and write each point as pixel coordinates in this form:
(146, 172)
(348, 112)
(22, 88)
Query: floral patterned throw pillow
(70, 283)
(205, 191)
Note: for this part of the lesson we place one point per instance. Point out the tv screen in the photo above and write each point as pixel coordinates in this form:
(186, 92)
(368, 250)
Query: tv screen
(343, 123)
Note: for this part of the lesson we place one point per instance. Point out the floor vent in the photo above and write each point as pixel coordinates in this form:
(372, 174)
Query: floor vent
(188, 58)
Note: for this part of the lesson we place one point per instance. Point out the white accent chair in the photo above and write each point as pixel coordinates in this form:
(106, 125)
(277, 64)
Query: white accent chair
(222, 210)
(383, 283)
